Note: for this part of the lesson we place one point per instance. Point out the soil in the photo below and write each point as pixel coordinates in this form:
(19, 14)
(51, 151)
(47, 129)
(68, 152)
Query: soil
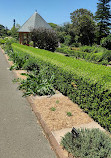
(59, 119)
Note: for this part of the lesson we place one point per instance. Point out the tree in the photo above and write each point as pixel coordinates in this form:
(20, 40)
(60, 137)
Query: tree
(3, 31)
(54, 26)
(45, 38)
(13, 31)
(103, 17)
(83, 25)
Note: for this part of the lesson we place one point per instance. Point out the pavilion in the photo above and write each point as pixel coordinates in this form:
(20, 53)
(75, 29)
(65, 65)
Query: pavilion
(34, 22)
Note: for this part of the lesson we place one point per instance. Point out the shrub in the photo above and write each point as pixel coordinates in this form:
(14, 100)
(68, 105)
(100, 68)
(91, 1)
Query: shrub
(45, 39)
(31, 65)
(36, 83)
(89, 144)
(104, 62)
(107, 56)
(2, 41)
(67, 40)
(106, 42)
(93, 49)
(75, 45)
(8, 42)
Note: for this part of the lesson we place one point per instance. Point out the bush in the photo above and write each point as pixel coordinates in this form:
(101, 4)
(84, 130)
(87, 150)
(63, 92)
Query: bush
(93, 49)
(107, 56)
(45, 39)
(37, 84)
(31, 65)
(104, 62)
(2, 41)
(106, 42)
(75, 45)
(8, 42)
(89, 144)
(67, 40)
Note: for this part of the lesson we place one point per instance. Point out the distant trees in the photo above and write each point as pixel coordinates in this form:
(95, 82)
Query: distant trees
(103, 17)
(4, 31)
(13, 31)
(84, 26)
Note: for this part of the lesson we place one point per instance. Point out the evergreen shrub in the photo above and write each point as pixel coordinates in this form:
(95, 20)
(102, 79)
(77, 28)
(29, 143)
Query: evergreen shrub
(89, 144)
(106, 42)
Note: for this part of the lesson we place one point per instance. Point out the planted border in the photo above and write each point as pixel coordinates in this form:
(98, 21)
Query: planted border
(87, 84)
(87, 54)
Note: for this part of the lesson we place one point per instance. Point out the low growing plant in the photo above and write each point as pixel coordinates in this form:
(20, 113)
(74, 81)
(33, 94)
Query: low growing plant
(37, 84)
(57, 101)
(89, 144)
(53, 109)
(69, 114)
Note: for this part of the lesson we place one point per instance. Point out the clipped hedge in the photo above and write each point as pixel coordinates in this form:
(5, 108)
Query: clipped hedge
(87, 84)
(93, 54)
(75, 53)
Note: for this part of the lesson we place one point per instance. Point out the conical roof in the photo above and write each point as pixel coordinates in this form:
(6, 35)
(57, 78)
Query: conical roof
(34, 22)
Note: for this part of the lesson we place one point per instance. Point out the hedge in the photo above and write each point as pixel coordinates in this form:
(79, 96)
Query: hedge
(88, 53)
(87, 84)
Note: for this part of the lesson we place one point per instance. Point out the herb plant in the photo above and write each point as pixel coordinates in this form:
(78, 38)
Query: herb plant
(89, 144)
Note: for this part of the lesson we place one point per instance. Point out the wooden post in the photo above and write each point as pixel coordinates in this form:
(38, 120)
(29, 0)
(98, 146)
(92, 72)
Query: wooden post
(27, 39)
(20, 38)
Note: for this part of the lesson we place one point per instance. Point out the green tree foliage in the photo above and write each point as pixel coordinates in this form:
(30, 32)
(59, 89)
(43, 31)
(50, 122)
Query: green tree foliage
(66, 34)
(106, 42)
(83, 25)
(13, 31)
(45, 38)
(103, 16)
(3, 31)
(54, 26)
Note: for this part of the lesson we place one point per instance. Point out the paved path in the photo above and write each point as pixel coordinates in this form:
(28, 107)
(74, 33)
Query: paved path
(20, 135)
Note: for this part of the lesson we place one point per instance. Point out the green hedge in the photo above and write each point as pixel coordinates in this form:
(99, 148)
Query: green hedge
(87, 84)
(88, 53)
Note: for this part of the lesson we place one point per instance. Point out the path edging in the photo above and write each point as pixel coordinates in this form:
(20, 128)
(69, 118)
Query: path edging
(56, 147)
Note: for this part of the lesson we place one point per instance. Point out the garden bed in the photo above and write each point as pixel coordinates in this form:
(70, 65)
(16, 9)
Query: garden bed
(54, 112)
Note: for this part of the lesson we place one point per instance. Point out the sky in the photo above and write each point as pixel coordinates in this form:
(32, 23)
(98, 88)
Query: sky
(53, 11)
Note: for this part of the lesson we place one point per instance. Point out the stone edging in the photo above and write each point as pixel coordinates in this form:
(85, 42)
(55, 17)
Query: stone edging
(56, 147)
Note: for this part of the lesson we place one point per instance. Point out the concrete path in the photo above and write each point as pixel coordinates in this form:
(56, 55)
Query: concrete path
(20, 134)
